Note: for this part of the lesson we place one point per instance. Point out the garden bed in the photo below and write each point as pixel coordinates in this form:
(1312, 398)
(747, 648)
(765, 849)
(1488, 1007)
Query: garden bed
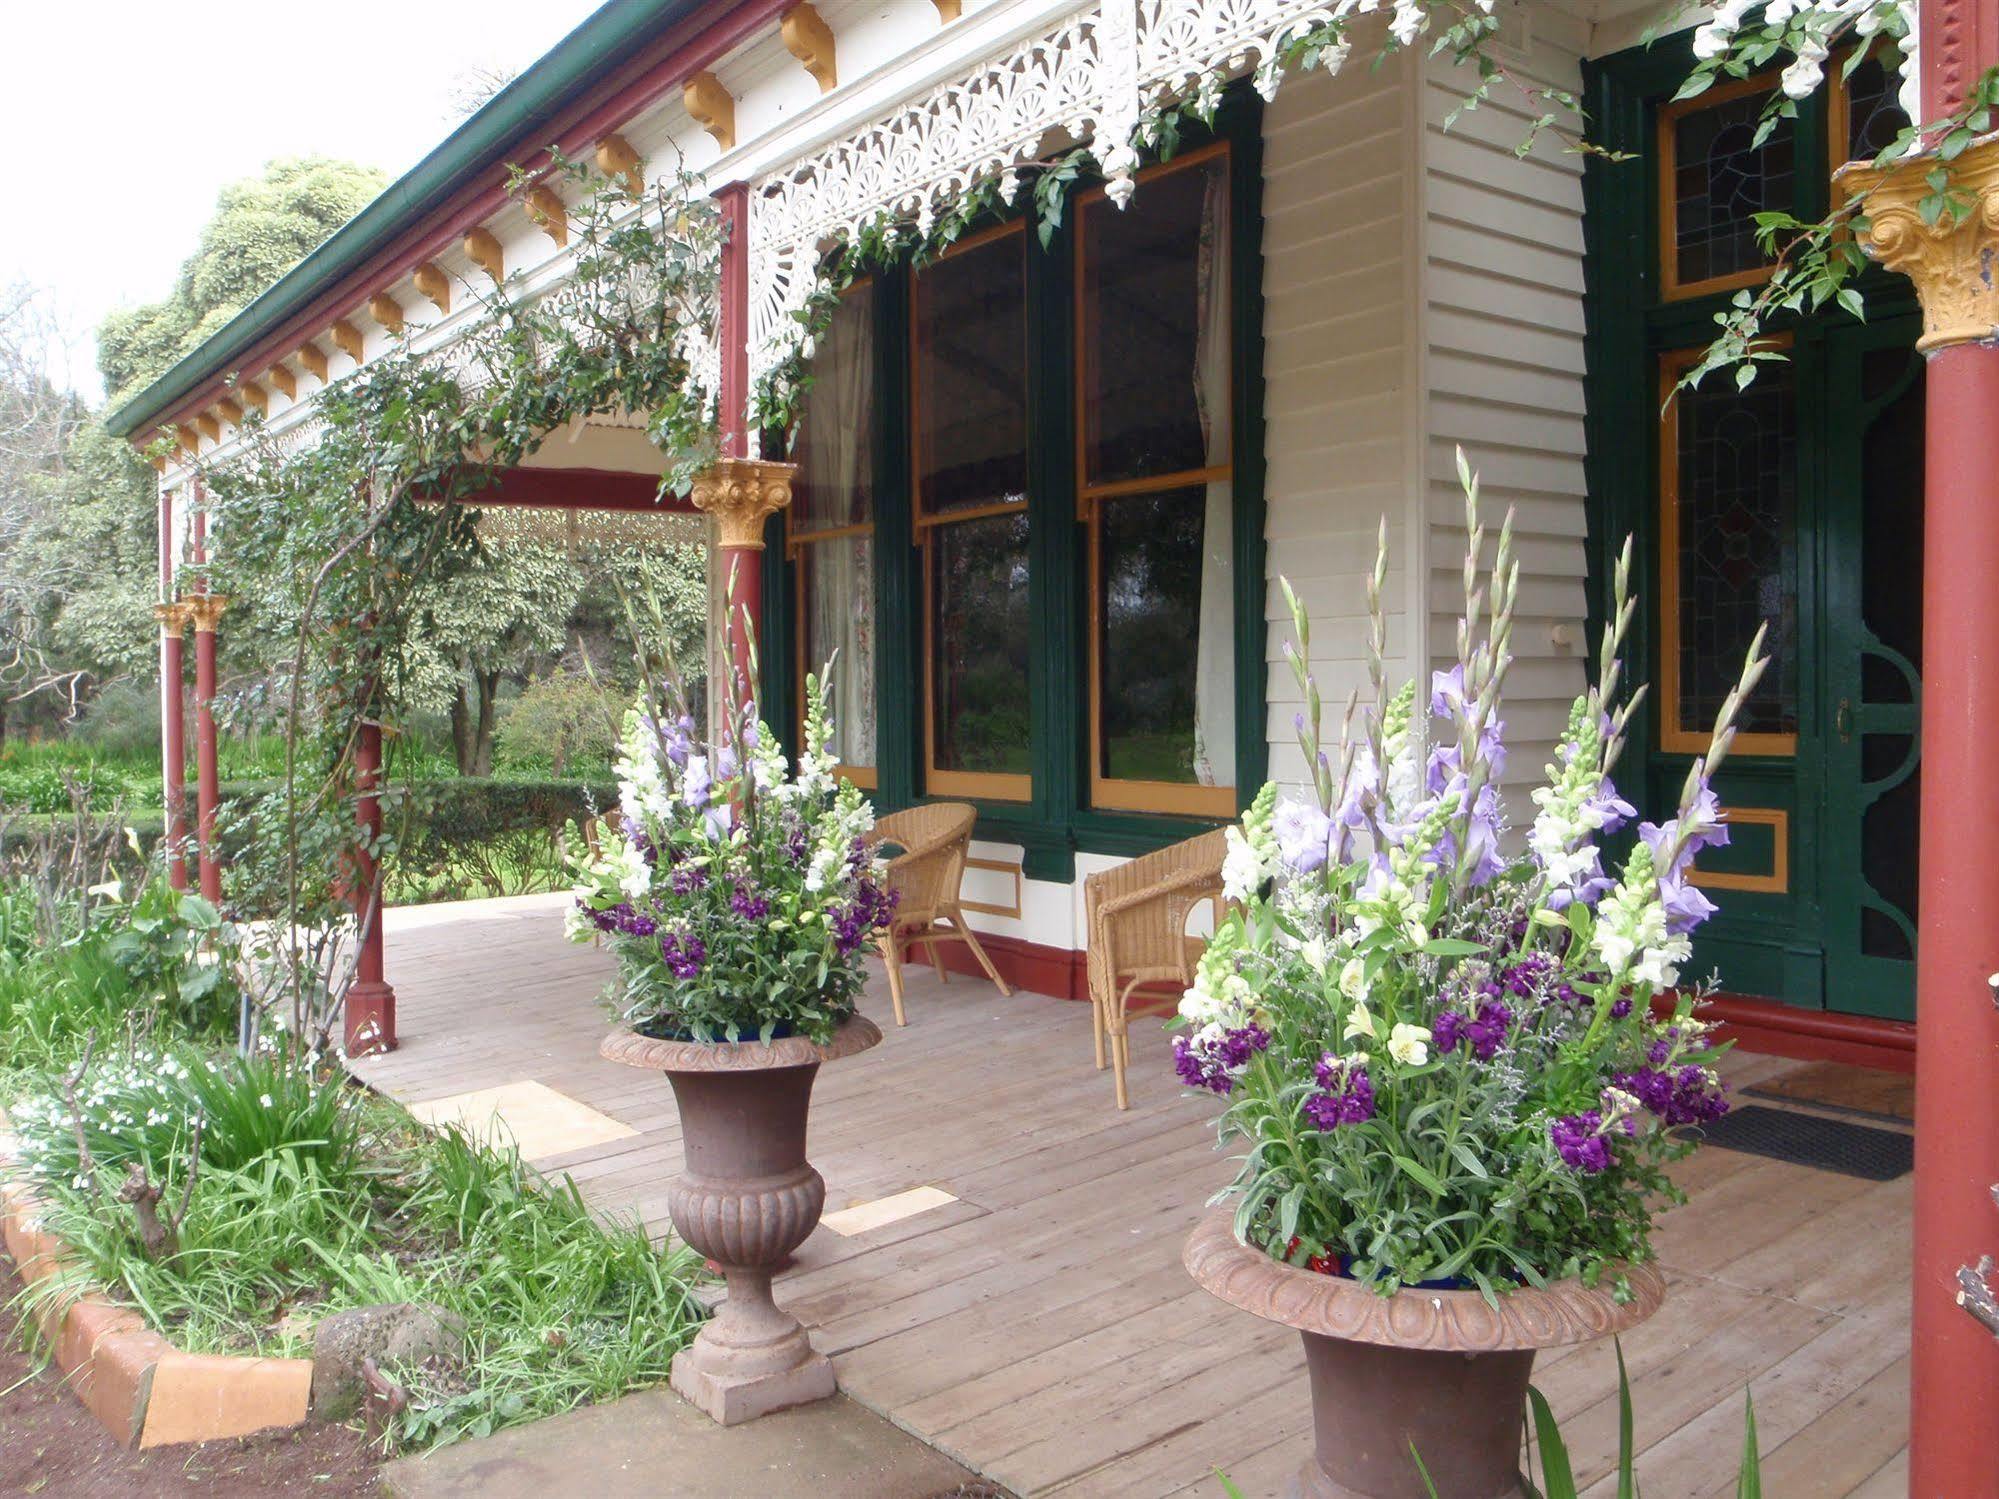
(144, 1391)
(309, 1200)
(55, 1446)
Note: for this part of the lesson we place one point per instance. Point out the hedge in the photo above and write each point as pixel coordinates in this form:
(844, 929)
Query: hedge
(439, 819)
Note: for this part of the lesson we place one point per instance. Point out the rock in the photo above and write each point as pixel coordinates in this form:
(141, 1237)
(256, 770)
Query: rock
(393, 1335)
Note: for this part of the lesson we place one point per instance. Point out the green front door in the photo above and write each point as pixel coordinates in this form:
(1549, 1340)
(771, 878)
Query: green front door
(1872, 567)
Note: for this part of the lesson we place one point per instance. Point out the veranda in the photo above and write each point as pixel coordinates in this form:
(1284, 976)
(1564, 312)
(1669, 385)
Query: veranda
(1357, 281)
(1027, 1312)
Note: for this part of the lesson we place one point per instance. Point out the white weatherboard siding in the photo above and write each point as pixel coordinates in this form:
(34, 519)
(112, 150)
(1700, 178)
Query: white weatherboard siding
(1503, 347)
(1342, 383)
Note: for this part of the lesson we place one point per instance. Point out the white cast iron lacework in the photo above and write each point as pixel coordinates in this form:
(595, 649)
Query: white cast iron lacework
(1093, 76)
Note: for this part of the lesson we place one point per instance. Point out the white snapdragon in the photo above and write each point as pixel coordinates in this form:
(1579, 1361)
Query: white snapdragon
(1243, 870)
(625, 866)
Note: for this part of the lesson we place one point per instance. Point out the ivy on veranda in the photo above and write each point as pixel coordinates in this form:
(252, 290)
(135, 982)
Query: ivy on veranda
(320, 535)
(1813, 263)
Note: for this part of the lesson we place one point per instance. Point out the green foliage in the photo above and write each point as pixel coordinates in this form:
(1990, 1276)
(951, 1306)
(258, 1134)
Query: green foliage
(142, 1105)
(175, 946)
(305, 1195)
(46, 784)
(558, 721)
(261, 227)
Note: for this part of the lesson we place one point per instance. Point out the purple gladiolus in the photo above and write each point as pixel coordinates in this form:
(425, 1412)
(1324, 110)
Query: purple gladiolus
(1304, 834)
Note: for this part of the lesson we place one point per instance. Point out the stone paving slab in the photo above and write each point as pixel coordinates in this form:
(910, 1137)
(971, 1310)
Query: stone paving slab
(654, 1444)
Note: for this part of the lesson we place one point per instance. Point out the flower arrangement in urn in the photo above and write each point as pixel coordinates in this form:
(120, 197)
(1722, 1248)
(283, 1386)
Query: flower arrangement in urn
(1442, 1059)
(737, 894)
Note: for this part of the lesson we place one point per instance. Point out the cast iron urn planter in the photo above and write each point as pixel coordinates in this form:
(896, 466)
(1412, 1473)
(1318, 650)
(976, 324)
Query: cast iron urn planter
(1442, 1372)
(747, 1198)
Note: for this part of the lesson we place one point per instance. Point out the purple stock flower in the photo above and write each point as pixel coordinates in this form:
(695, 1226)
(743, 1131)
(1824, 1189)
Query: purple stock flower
(749, 907)
(623, 920)
(1346, 1094)
(1214, 1062)
(1482, 1034)
(870, 910)
(683, 956)
(1579, 1141)
(688, 878)
(1687, 1094)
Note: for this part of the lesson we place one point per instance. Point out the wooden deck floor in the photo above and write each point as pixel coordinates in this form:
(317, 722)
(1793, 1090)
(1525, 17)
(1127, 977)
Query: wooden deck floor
(1041, 1330)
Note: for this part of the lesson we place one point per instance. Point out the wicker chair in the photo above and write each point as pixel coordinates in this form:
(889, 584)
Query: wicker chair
(1136, 916)
(934, 840)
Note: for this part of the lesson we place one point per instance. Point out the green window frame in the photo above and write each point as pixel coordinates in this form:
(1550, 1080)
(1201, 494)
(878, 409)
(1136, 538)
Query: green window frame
(1056, 819)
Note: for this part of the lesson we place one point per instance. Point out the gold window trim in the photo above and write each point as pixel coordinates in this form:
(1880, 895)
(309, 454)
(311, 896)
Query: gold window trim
(795, 544)
(1778, 880)
(1672, 738)
(1003, 786)
(1106, 792)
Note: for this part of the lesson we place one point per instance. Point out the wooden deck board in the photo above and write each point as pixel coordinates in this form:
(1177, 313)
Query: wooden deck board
(1041, 1330)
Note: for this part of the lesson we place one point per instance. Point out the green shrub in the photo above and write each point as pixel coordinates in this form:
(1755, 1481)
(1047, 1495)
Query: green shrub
(558, 725)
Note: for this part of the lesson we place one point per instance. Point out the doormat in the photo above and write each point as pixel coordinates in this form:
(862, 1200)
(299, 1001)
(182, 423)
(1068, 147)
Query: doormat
(1861, 1150)
(1865, 1091)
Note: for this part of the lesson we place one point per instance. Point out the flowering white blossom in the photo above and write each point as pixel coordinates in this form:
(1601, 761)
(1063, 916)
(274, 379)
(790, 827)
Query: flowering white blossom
(1353, 979)
(1360, 1025)
(1409, 1044)
(1243, 873)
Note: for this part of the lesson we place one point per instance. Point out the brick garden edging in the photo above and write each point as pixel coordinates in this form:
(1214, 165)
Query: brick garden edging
(145, 1391)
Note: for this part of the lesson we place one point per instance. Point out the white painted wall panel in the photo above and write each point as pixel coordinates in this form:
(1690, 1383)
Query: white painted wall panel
(1502, 333)
(1342, 386)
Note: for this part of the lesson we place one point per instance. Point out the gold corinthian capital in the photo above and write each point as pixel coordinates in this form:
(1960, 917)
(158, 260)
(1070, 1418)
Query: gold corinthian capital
(204, 611)
(1953, 261)
(742, 493)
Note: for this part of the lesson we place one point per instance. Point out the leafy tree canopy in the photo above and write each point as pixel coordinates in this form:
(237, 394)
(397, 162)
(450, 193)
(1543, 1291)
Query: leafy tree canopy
(262, 227)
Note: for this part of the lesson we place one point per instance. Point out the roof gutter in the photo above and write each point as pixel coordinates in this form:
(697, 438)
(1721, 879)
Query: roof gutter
(529, 102)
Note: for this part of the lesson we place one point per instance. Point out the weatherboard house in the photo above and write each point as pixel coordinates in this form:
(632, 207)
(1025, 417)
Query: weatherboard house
(1048, 481)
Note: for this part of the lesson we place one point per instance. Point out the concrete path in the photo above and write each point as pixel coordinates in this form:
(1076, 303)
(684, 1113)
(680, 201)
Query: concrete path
(654, 1444)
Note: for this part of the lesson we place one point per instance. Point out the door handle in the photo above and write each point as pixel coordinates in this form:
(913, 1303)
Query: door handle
(1842, 721)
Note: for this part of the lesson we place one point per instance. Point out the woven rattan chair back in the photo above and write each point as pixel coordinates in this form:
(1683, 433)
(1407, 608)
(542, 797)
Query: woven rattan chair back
(1136, 919)
(934, 840)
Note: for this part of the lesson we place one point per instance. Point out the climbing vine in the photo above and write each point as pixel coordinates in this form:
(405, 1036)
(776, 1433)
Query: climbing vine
(323, 534)
(1814, 263)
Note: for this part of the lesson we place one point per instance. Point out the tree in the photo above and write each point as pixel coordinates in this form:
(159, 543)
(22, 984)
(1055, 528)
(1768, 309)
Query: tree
(261, 228)
(38, 418)
(496, 621)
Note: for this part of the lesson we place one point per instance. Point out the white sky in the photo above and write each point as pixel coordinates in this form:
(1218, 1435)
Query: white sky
(128, 117)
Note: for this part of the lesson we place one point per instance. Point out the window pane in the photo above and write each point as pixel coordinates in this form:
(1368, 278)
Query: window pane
(1737, 547)
(837, 581)
(832, 448)
(1155, 321)
(1873, 111)
(978, 644)
(971, 378)
(1166, 593)
(1720, 179)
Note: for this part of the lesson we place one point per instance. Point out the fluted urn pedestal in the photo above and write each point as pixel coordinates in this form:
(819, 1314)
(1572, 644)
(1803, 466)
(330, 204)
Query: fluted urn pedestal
(1441, 1374)
(747, 1198)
